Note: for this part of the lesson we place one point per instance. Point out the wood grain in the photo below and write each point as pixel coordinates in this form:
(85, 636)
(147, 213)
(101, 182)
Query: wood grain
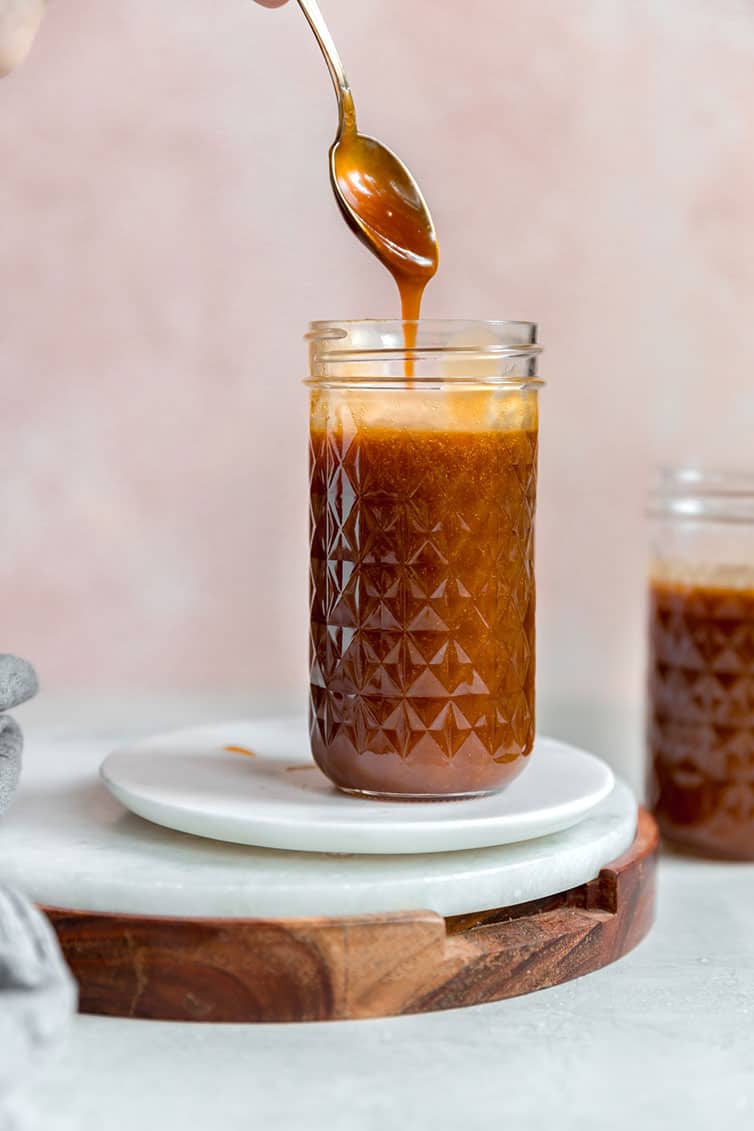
(358, 966)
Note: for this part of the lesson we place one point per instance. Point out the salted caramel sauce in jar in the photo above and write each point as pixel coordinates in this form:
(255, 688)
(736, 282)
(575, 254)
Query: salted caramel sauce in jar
(701, 661)
(423, 493)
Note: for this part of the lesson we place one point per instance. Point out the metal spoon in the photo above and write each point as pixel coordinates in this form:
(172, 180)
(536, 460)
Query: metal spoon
(380, 200)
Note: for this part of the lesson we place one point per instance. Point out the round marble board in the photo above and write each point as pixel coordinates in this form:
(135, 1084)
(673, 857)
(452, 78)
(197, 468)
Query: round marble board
(67, 843)
(254, 783)
(157, 923)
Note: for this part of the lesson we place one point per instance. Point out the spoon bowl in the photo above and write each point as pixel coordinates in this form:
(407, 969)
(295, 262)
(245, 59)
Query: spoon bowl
(383, 205)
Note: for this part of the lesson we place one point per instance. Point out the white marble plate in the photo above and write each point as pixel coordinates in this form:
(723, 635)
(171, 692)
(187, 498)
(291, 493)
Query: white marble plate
(68, 843)
(190, 781)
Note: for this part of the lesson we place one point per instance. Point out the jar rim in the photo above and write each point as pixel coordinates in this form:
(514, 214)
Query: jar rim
(453, 350)
(438, 323)
(696, 492)
(440, 331)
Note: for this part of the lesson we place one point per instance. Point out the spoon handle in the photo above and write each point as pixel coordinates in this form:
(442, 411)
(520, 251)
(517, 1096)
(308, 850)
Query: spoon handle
(316, 20)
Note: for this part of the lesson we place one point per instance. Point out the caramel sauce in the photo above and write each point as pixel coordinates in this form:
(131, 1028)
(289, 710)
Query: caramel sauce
(701, 719)
(422, 608)
(386, 210)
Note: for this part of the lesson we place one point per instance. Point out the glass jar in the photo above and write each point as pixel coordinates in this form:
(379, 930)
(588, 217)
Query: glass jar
(701, 668)
(422, 569)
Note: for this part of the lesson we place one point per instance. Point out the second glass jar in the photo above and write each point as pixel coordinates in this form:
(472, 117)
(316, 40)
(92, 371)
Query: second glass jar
(423, 473)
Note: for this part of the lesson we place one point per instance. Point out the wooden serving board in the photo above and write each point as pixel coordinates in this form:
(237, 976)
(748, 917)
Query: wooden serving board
(318, 969)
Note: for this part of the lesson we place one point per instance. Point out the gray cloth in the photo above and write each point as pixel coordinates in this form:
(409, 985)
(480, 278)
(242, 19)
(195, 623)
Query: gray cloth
(11, 747)
(37, 998)
(37, 992)
(18, 682)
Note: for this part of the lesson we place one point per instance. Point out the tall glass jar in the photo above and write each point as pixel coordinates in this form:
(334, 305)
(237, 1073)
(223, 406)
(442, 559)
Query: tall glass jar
(423, 472)
(701, 668)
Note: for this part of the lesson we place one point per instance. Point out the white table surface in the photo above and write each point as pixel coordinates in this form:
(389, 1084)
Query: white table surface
(663, 1039)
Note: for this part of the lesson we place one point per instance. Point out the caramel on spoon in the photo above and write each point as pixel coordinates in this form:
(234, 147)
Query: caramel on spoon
(380, 200)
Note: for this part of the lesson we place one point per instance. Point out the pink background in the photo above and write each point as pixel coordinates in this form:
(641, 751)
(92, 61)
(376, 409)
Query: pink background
(167, 232)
